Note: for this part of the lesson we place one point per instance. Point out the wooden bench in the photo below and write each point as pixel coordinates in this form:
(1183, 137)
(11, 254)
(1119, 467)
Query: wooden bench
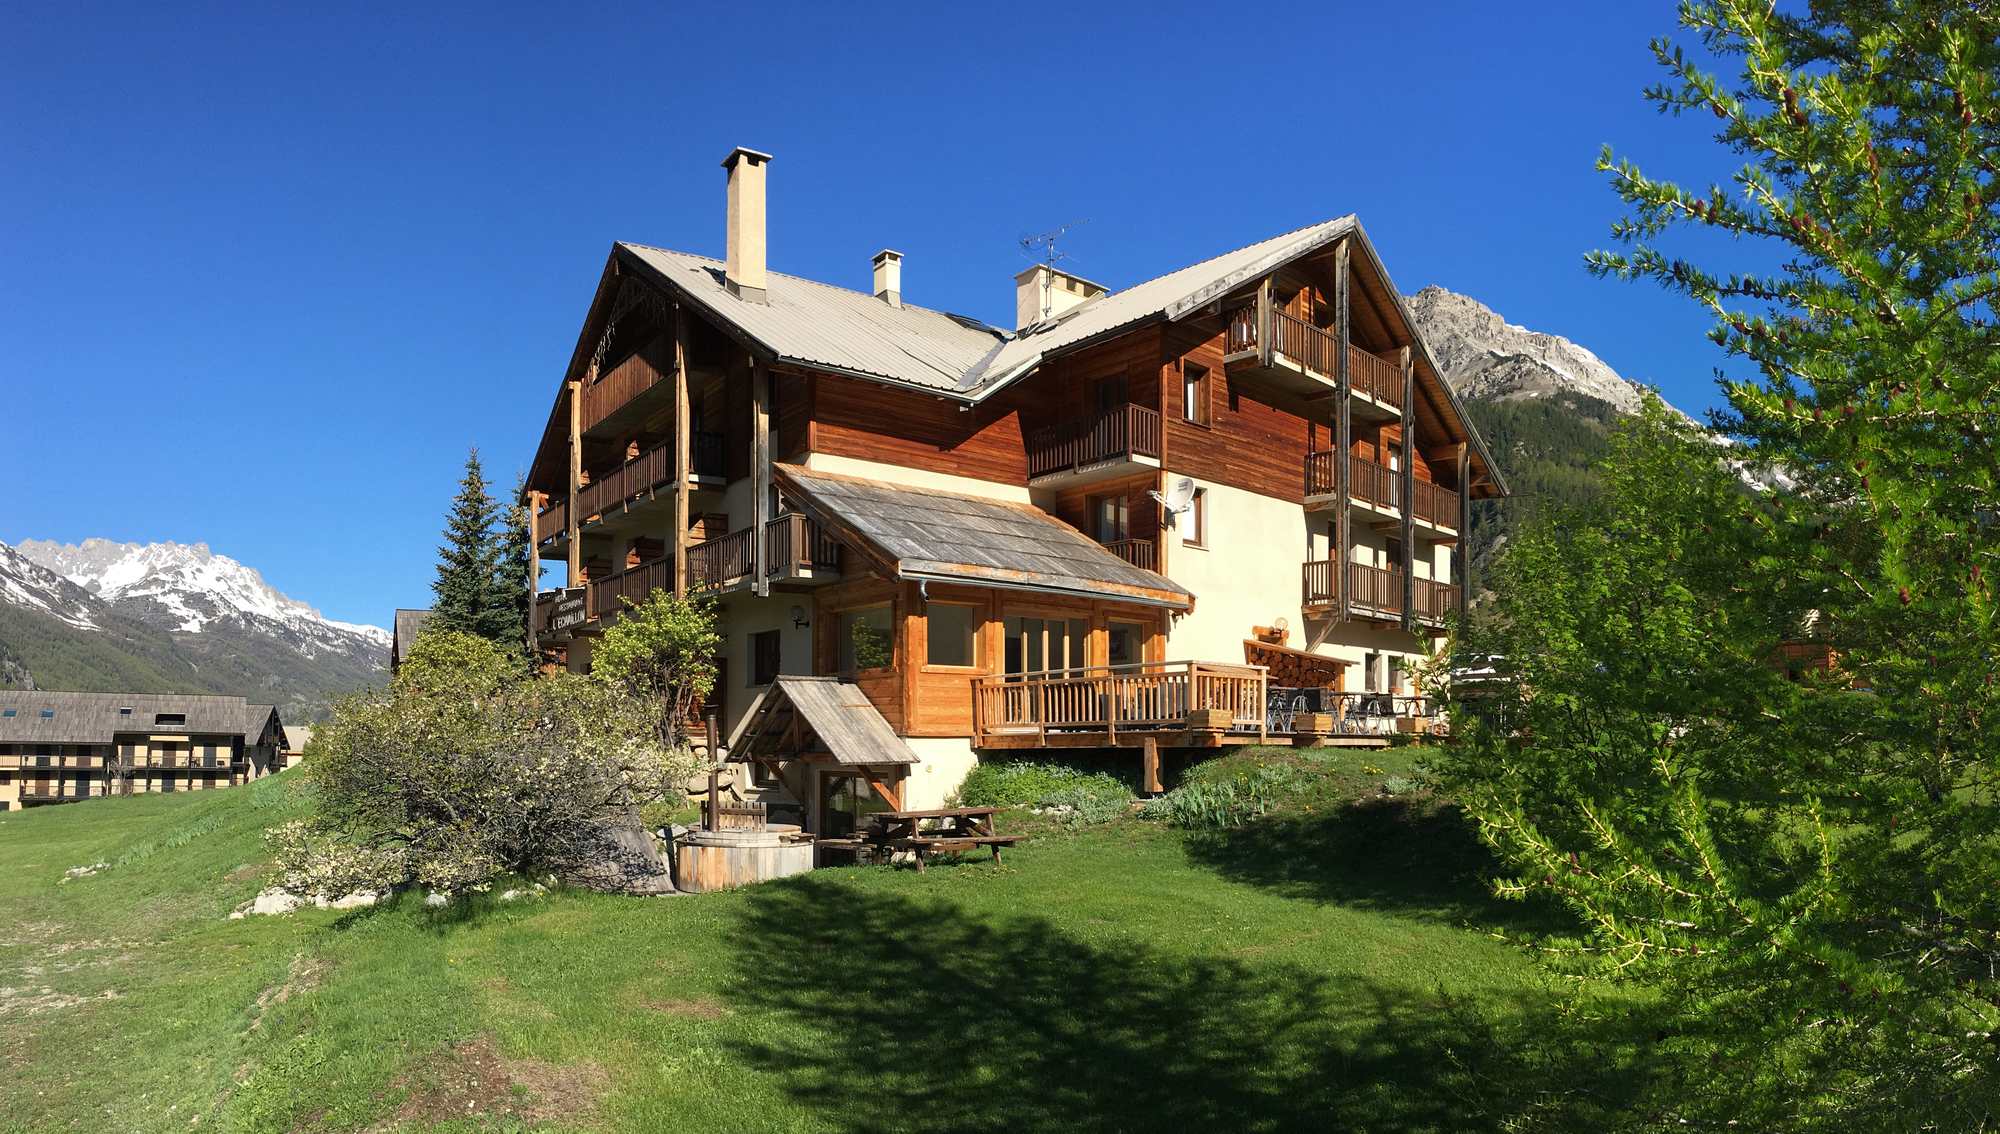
(959, 829)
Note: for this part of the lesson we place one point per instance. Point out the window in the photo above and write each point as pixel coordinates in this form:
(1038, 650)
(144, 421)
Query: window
(867, 640)
(1110, 395)
(170, 718)
(953, 632)
(1037, 644)
(1194, 393)
(48, 714)
(1196, 533)
(125, 710)
(1110, 518)
(1371, 673)
(764, 657)
(6, 712)
(1128, 643)
(1395, 552)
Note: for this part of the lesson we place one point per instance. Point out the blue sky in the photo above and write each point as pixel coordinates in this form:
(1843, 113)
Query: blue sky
(266, 272)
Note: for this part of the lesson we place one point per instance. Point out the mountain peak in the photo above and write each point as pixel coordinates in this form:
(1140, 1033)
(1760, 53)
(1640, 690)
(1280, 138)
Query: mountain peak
(1487, 358)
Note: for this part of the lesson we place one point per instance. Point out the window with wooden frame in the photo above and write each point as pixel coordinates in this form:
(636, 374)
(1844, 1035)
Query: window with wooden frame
(1194, 533)
(867, 639)
(953, 634)
(765, 655)
(1194, 394)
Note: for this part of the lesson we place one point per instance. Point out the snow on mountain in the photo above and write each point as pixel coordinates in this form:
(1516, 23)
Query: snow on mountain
(23, 582)
(1485, 357)
(190, 589)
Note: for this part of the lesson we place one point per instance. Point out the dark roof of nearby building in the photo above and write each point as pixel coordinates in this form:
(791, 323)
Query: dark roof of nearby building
(93, 718)
(930, 534)
(408, 624)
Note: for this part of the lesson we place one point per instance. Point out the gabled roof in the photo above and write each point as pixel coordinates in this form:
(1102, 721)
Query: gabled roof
(928, 534)
(93, 718)
(833, 328)
(848, 726)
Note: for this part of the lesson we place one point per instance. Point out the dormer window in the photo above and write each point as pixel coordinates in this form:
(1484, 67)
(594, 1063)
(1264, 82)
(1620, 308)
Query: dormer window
(176, 719)
(125, 710)
(48, 714)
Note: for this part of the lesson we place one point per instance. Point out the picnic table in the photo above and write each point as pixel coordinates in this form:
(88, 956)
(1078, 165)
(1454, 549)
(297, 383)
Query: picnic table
(952, 829)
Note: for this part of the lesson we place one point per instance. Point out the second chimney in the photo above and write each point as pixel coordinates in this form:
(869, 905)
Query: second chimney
(889, 277)
(744, 269)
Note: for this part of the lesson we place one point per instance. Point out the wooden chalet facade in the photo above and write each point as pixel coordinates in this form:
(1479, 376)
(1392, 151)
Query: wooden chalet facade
(66, 747)
(965, 521)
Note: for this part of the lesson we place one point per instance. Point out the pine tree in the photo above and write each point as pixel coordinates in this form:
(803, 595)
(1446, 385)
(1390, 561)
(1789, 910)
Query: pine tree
(464, 591)
(515, 571)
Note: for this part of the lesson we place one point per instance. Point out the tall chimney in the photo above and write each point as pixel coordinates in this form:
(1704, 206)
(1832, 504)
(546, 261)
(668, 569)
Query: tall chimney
(889, 277)
(744, 272)
(1044, 292)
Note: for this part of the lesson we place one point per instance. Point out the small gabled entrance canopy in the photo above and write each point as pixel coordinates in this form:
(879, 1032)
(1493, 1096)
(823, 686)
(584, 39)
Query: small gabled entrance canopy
(827, 723)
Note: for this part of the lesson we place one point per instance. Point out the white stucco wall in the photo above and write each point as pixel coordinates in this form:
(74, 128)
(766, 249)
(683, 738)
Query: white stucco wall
(744, 614)
(942, 765)
(1249, 575)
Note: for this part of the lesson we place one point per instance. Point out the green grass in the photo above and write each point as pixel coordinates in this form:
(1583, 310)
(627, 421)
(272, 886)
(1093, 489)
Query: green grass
(1333, 966)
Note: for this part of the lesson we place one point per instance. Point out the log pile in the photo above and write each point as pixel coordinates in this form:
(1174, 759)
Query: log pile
(1296, 668)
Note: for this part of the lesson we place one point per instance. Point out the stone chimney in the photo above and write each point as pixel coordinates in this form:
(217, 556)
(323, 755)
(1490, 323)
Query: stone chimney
(745, 268)
(889, 277)
(1044, 292)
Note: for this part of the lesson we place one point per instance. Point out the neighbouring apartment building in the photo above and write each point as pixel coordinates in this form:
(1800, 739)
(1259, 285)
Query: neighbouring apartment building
(1160, 517)
(63, 747)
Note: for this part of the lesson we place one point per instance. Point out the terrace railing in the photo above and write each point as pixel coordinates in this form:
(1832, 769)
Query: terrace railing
(1142, 696)
(1124, 432)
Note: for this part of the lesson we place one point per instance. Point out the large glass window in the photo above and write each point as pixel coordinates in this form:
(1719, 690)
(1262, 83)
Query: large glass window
(953, 634)
(1128, 643)
(867, 639)
(1038, 644)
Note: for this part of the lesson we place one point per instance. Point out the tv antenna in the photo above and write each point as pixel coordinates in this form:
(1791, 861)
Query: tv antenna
(1041, 248)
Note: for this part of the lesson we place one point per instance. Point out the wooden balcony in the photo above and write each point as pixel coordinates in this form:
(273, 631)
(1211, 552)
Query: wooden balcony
(1435, 506)
(1375, 485)
(798, 549)
(1142, 553)
(1184, 703)
(1121, 441)
(630, 486)
(1298, 358)
(1377, 593)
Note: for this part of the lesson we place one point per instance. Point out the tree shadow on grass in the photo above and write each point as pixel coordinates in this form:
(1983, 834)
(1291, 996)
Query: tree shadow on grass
(1414, 855)
(882, 1013)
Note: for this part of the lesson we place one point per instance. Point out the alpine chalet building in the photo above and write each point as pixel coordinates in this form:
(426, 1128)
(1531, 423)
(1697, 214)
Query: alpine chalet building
(1164, 517)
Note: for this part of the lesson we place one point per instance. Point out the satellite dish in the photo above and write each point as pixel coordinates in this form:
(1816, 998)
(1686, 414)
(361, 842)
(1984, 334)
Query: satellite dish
(1177, 499)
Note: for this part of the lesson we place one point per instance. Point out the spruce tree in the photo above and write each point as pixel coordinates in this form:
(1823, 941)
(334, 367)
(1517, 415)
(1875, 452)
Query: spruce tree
(464, 591)
(515, 571)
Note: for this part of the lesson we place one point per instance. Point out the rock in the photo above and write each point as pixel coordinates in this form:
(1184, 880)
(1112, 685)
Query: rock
(352, 901)
(436, 900)
(626, 860)
(1482, 356)
(83, 871)
(278, 900)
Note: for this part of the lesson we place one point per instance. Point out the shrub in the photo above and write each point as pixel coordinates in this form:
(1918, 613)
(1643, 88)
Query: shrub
(464, 770)
(1078, 797)
(1220, 796)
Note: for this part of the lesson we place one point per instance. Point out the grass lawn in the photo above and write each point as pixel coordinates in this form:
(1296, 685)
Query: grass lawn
(1334, 966)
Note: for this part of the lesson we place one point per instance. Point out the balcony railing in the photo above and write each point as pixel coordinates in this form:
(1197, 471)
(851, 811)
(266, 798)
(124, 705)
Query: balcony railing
(1433, 601)
(721, 561)
(650, 470)
(1372, 588)
(794, 545)
(1317, 350)
(1435, 504)
(1142, 553)
(1125, 432)
(1137, 697)
(633, 583)
(1367, 481)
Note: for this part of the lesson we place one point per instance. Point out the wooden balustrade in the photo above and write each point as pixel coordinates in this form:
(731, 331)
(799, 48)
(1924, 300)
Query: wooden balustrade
(1375, 588)
(1433, 601)
(706, 453)
(723, 560)
(1435, 504)
(651, 470)
(1139, 697)
(616, 387)
(633, 583)
(1375, 376)
(1310, 347)
(1367, 481)
(553, 521)
(1122, 433)
(1242, 333)
(1320, 586)
(795, 544)
(1142, 553)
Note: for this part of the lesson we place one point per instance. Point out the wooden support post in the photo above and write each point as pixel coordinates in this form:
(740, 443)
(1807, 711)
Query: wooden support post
(1149, 767)
(683, 455)
(1264, 348)
(1343, 441)
(534, 506)
(760, 476)
(1409, 475)
(575, 519)
(1461, 551)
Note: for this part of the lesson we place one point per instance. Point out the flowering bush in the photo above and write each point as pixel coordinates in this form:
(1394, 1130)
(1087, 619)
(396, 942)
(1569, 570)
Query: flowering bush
(463, 770)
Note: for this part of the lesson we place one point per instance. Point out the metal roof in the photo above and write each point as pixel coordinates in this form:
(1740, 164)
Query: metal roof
(820, 325)
(840, 714)
(928, 533)
(94, 718)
